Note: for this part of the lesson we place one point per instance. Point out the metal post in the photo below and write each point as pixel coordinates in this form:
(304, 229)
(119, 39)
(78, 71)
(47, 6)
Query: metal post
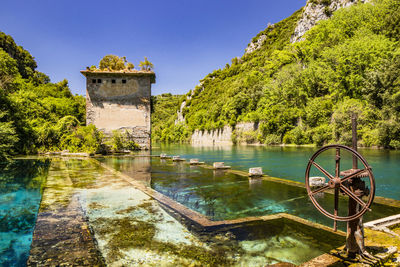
(355, 229)
(337, 175)
(354, 140)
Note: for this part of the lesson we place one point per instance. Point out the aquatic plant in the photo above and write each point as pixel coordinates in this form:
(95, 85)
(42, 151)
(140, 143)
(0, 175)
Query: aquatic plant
(130, 232)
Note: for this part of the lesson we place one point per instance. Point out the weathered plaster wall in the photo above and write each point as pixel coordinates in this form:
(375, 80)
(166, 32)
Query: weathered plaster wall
(114, 105)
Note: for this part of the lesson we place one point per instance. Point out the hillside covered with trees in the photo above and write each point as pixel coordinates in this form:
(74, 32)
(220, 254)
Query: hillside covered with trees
(35, 114)
(305, 92)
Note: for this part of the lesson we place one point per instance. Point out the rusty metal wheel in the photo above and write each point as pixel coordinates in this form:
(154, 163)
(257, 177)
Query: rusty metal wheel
(340, 183)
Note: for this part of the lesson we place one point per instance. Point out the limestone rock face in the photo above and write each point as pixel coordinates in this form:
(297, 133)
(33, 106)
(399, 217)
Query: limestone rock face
(253, 46)
(316, 10)
(181, 118)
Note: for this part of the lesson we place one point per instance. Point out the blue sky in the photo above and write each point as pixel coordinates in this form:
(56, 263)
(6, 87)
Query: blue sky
(184, 39)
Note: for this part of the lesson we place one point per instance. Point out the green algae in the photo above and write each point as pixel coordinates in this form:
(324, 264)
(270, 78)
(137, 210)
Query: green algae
(127, 210)
(396, 230)
(96, 205)
(133, 233)
(148, 206)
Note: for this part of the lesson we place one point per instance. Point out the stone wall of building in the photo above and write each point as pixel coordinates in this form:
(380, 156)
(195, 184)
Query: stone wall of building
(120, 101)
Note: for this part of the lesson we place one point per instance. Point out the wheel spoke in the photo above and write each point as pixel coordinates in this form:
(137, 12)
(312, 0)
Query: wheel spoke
(322, 170)
(353, 196)
(354, 174)
(319, 190)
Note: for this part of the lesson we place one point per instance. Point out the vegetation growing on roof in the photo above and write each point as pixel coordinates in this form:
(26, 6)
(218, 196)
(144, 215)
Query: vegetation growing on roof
(116, 63)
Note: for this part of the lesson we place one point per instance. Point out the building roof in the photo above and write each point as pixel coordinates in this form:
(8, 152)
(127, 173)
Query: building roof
(120, 73)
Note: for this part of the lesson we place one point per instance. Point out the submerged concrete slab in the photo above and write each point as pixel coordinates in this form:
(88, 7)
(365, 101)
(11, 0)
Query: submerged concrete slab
(107, 213)
(62, 236)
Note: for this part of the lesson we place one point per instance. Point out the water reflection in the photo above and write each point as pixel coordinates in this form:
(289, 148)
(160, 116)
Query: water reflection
(289, 162)
(138, 167)
(224, 195)
(254, 183)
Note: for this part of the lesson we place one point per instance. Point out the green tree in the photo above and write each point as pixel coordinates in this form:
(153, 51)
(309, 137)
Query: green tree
(25, 62)
(8, 70)
(146, 64)
(115, 63)
(8, 137)
(84, 139)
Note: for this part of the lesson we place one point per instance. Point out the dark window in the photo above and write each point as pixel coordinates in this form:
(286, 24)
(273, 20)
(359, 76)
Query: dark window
(98, 80)
(113, 81)
(123, 81)
(93, 80)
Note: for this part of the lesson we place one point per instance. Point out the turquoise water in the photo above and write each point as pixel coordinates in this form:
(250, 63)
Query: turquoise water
(21, 183)
(222, 195)
(289, 162)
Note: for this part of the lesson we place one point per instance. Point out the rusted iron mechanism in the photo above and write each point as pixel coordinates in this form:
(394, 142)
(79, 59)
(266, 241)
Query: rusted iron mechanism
(349, 183)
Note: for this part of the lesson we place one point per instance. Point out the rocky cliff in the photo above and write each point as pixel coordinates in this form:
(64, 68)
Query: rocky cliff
(265, 85)
(314, 11)
(224, 136)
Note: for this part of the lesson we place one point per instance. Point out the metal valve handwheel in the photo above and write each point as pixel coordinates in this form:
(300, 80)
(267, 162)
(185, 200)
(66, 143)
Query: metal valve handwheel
(342, 181)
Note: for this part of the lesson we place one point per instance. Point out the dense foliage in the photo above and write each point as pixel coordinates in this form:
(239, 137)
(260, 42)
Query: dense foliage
(306, 92)
(146, 64)
(113, 63)
(163, 127)
(116, 63)
(35, 114)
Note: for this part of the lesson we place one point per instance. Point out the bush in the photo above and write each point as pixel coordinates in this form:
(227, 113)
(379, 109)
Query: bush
(387, 132)
(395, 144)
(84, 139)
(322, 135)
(123, 141)
(296, 136)
(370, 138)
(49, 135)
(248, 137)
(272, 139)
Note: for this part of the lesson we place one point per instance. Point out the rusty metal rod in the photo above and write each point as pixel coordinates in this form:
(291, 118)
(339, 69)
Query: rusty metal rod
(354, 141)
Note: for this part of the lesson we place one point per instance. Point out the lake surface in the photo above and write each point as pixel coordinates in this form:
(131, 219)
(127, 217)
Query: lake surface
(290, 162)
(21, 187)
(223, 195)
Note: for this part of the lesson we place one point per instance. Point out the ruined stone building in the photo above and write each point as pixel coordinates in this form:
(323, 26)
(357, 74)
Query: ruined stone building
(120, 100)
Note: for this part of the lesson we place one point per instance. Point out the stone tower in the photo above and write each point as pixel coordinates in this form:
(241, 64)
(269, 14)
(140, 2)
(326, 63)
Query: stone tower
(120, 100)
